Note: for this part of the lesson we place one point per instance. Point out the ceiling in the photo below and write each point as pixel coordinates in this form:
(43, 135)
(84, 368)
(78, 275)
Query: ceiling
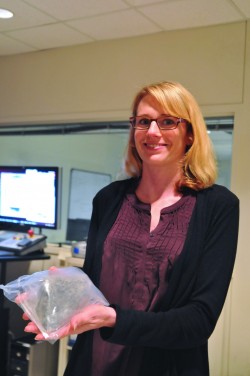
(45, 24)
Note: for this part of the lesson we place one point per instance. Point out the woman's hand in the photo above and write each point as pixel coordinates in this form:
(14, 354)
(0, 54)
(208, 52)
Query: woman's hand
(94, 316)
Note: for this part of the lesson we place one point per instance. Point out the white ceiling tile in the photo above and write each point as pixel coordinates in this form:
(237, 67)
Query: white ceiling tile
(50, 36)
(244, 6)
(110, 26)
(36, 22)
(24, 16)
(69, 9)
(9, 46)
(191, 13)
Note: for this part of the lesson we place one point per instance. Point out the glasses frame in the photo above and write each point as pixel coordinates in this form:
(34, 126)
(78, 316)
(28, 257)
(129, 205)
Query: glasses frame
(145, 128)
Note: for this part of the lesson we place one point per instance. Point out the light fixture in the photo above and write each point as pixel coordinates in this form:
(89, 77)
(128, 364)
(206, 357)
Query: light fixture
(5, 13)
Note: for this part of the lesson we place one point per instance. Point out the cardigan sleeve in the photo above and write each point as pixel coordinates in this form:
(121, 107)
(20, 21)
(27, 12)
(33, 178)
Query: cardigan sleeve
(190, 320)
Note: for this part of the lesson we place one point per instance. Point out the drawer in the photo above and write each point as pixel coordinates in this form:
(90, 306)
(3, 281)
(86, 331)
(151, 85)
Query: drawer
(18, 367)
(19, 352)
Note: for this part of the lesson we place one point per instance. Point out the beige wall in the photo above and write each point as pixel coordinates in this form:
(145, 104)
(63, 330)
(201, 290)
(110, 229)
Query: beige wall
(98, 81)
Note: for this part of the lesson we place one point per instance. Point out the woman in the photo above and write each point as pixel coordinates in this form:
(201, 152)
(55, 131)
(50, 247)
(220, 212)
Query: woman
(161, 247)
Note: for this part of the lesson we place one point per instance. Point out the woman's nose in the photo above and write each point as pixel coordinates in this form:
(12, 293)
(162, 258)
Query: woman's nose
(153, 128)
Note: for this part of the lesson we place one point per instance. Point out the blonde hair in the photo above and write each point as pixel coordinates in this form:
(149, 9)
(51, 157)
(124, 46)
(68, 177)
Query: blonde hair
(199, 164)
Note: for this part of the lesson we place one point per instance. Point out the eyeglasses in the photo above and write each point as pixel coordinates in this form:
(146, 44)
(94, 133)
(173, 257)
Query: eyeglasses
(164, 122)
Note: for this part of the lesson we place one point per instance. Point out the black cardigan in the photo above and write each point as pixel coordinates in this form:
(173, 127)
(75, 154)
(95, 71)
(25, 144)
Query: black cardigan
(174, 337)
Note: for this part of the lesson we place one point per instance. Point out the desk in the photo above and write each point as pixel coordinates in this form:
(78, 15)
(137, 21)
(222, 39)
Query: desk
(4, 312)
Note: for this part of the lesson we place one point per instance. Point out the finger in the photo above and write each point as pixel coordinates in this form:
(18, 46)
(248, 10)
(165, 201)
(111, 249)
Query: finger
(25, 316)
(31, 328)
(21, 298)
(39, 337)
(64, 332)
(53, 268)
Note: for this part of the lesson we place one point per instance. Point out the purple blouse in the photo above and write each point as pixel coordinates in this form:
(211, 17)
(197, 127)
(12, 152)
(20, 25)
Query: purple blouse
(135, 267)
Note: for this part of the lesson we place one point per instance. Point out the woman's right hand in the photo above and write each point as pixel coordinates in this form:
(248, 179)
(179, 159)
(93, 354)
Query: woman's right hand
(94, 316)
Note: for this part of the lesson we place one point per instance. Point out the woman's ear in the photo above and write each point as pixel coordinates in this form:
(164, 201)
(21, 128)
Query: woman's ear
(190, 140)
(189, 136)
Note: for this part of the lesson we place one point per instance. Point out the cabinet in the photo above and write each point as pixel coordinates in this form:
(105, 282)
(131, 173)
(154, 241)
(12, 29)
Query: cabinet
(31, 358)
(6, 259)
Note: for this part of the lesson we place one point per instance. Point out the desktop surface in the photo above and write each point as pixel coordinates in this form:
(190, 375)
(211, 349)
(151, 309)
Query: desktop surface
(11, 256)
(21, 243)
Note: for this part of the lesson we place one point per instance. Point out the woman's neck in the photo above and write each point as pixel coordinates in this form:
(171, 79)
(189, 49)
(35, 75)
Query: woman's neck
(159, 190)
(158, 185)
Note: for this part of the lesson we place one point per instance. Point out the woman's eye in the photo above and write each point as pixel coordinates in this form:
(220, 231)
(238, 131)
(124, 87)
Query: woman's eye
(144, 121)
(168, 121)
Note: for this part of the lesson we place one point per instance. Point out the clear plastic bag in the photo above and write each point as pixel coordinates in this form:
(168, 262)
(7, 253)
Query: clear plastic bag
(52, 297)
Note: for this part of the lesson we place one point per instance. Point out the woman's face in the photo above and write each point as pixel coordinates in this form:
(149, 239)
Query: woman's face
(159, 148)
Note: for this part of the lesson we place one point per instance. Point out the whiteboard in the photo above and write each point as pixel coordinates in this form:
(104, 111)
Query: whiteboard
(83, 187)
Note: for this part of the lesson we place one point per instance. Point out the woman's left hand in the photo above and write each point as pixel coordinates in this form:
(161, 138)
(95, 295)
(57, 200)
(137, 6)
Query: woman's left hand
(94, 316)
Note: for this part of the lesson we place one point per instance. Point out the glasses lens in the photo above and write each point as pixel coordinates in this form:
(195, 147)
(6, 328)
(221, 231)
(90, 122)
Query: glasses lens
(140, 122)
(168, 122)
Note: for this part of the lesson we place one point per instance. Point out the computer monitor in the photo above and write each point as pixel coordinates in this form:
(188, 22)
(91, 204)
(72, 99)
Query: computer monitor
(29, 197)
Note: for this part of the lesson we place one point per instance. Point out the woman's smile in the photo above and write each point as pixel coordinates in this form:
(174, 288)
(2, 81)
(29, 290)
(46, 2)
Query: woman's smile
(155, 146)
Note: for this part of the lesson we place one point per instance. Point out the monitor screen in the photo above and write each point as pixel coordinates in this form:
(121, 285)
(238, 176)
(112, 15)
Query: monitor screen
(29, 196)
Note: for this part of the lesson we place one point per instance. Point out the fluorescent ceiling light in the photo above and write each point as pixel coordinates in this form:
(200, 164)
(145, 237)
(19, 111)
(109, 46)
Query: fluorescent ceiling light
(4, 13)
